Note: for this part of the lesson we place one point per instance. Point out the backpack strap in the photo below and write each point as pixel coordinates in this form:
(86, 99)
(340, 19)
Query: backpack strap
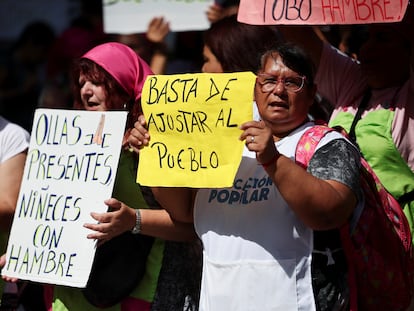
(406, 198)
(308, 143)
(361, 108)
(304, 152)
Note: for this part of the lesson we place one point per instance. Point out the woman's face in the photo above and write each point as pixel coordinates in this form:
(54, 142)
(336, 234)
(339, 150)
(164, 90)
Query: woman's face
(211, 63)
(282, 95)
(93, 94)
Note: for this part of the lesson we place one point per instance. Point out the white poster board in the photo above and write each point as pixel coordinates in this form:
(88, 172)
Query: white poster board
(128, 17)
(69, 172)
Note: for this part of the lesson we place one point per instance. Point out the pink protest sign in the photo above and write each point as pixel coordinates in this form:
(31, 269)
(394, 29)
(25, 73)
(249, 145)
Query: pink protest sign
(321, 12)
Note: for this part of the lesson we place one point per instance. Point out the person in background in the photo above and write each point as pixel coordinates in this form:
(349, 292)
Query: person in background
(22, 73)
(279, 248)
(230, 46)
(379, 88)
(85, 31)
(101, 83)
(14, 142)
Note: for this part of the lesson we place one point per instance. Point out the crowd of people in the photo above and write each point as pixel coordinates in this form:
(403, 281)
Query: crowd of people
(282, 252)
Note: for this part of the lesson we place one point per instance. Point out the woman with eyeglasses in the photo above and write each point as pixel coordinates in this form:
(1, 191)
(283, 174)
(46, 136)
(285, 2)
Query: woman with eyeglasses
(264, 252)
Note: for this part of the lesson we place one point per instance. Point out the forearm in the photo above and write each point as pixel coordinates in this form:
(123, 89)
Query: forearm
(158, 223)
(158, 63)
(177, 201)
(11, 172)
(320, 204)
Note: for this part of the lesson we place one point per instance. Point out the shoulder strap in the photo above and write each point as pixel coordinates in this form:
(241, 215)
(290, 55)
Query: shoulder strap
(406, 198)
(308, 143)
(361, 108)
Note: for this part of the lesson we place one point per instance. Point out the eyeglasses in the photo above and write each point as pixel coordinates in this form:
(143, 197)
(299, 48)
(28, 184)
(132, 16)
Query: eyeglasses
(291, 84)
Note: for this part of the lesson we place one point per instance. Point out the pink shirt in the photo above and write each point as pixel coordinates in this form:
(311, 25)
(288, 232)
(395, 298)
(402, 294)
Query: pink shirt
(340, 80)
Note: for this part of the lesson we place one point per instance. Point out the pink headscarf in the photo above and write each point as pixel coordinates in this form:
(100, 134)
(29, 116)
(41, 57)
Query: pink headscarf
(121, 62)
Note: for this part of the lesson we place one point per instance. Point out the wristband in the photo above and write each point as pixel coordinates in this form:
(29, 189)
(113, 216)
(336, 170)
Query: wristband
(137, 227)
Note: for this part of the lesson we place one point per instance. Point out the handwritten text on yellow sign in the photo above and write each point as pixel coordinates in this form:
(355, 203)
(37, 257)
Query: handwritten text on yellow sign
(193, 121)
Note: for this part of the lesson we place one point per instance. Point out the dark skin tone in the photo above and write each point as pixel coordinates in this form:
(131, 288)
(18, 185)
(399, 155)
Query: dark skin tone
(321, 204)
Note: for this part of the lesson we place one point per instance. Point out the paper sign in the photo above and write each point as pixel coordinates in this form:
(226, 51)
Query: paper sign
(321, 12)
(69, 172)
(193, 121)
(128, 17)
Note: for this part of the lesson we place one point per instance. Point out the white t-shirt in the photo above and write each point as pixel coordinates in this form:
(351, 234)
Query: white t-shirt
(13, 139)
(257, 253)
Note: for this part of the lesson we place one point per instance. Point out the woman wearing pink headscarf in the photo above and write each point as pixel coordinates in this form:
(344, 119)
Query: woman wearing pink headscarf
(110, 77)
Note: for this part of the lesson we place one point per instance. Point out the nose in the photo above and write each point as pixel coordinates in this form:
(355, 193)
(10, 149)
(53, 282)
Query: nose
(279, 86)
(87, 88)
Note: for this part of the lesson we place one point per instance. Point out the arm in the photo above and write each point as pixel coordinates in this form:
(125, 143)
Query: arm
(157, 30)
(320, 204)
(11, 173)
(154, 222)
(178, 202)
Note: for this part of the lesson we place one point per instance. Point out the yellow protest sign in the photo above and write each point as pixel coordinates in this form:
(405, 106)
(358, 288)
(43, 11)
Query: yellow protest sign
(193, 120)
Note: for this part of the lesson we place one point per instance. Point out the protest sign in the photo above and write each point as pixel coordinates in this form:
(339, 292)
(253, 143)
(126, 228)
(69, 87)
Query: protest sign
(69, 172)
(128, 17)
(194, 120)
(321, 12)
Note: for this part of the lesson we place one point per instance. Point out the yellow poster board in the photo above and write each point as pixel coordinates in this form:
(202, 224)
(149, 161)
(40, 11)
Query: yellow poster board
(193, 121)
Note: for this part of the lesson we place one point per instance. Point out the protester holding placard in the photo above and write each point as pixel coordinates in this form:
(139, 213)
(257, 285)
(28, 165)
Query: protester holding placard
(262, 242)
(110, 77)
(378, 90)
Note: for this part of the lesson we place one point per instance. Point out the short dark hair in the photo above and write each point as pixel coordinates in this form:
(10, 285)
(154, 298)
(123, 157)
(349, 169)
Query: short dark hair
(293, 57)
(238, 46)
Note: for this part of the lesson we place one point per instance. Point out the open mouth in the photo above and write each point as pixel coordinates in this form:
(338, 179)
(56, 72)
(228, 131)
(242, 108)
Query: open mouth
(92, 105)
(282, 105)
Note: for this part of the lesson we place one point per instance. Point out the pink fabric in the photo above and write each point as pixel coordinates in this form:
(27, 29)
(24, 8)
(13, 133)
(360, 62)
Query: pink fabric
(123, 64)
(131, 304)
(48, 296)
